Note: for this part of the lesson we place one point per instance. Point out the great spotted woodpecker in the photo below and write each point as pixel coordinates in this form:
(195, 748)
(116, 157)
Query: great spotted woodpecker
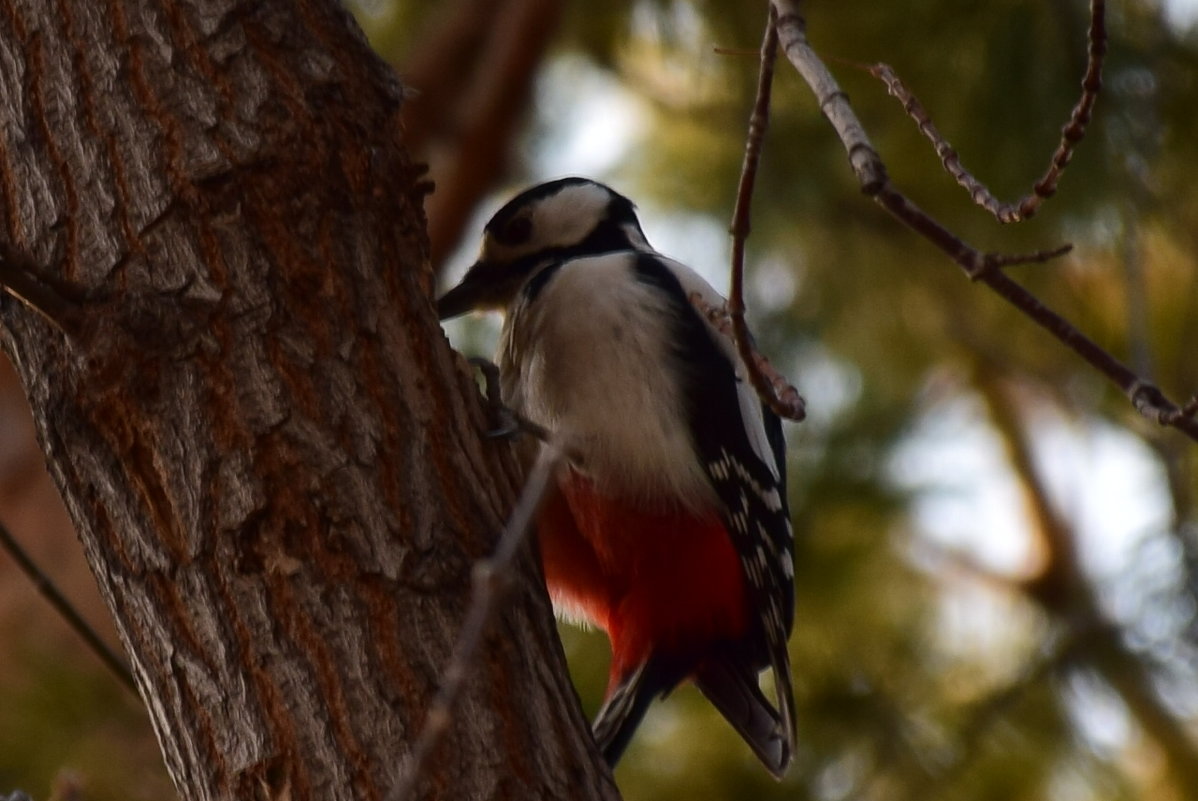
(669, 528)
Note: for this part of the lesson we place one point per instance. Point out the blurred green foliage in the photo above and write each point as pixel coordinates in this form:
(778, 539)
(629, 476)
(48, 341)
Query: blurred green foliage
(70, 725)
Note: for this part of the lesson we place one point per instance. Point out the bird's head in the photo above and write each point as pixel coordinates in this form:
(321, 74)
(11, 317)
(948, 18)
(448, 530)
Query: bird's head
(549, 223)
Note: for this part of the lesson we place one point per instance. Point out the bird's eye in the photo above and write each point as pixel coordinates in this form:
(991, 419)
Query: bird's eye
(516, 232)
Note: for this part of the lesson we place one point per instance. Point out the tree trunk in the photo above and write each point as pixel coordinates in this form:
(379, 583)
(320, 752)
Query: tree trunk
(270, 455)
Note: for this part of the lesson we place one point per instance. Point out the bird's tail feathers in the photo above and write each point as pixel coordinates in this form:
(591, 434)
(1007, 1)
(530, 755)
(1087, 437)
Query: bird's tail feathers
(626, 705)
(732, 688)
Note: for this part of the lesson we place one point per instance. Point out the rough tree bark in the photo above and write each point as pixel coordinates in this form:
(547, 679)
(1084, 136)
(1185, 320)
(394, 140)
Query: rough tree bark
(272, 459)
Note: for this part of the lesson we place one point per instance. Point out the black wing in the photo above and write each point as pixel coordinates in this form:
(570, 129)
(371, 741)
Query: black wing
(743, 454)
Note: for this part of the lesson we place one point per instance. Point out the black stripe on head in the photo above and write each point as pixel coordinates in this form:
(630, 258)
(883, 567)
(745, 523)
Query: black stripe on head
(538, 282)
(621, 210)
(614, 228)
(612, 233)
(502, 219)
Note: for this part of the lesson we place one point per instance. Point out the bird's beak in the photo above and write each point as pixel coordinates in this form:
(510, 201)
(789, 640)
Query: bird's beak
(464, 297)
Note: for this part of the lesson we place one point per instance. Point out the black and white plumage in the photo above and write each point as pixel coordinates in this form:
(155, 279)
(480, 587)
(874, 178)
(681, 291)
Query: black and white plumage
(603, 345)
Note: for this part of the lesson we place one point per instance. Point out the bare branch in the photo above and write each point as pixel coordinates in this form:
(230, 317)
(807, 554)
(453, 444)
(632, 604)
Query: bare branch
(490, 580)
(981, 195)
(1190, 410)
(773, 389)
(1072, 132)
(1147, 399)
(1075, 129)
(45, 585)
(1152, 403)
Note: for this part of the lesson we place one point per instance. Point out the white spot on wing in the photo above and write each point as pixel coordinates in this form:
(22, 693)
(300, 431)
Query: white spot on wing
(728, 467)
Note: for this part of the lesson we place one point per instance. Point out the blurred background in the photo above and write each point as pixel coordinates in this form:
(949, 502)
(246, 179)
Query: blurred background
(997, 559)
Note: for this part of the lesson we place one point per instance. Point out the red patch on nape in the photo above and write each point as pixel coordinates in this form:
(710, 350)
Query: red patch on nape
(661, 579)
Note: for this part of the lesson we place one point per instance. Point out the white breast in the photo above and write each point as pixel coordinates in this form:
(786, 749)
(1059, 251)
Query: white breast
(590, 359)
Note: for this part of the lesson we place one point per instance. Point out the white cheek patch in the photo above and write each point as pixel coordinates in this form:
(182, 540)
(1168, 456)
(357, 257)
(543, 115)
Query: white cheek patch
(590, 351)
(569, 216)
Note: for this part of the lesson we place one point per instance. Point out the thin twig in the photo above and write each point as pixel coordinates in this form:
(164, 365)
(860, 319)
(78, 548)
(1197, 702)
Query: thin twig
(981, 195)
(997, 261)
(1146, 398)
(1072, 132)
(1189, 410)
(54, 300)
(1075, 129)
(790, 401)
(490, 579)
(64, 608)
(776, 392)
(734, 51)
